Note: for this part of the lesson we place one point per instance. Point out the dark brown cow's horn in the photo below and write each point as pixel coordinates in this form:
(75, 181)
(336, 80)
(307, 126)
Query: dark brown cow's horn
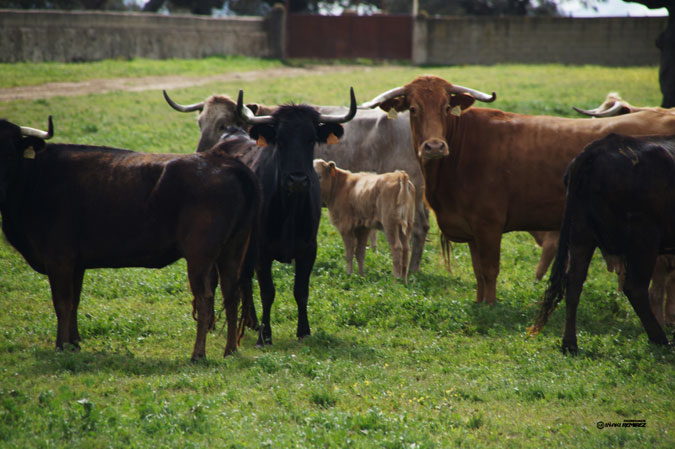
(478, 95)
(384, 96)
(180, 107)
(32, 132)
(610, 112)
(323, 118)
(247, 116)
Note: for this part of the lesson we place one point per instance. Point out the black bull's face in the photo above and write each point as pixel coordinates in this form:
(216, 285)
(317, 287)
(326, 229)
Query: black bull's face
(294, 133)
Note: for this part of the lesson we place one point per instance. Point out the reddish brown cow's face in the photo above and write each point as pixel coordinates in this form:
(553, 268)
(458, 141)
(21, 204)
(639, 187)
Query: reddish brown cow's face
(432, 109)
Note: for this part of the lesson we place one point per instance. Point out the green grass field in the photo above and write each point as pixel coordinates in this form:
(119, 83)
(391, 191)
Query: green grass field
(387, 365)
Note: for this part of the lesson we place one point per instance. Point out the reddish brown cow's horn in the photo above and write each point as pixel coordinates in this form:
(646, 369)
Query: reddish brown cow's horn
(611, 112)
(180, 107)
(342, 118)
(384, 96)
(478, 95)
(32, 132)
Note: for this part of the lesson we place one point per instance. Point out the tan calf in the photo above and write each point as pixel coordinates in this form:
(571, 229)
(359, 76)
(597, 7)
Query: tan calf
(360, 202)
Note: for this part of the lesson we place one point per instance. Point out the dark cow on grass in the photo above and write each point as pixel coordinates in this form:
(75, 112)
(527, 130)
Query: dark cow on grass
(283, 163)
(67, 208)
(488, 172)
(620, 198)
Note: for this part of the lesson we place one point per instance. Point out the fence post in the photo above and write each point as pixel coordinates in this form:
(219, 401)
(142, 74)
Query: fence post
(420, 36)
(276, 31)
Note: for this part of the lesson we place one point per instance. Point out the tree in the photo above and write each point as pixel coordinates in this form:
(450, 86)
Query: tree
(666, 43)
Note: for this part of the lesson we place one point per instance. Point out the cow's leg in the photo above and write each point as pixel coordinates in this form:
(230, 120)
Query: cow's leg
(65, 282)
(78, 278)
(200, 276)
(372, 238)
(405, 253)
(361, 242)
(419, 236)
(640, 259)
(549, 244)
(228, 269)
(267, 293)
(349, 240)
(579, 259)
(303, 269)
(488, 247)
(657, 290)
(395, 247)
(478, 273)
(669, 312)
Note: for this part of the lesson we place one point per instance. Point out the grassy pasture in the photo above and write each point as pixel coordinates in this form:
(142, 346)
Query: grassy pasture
(387, 365)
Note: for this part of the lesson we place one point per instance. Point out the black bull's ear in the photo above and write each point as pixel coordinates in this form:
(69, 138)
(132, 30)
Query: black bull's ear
(326, 129)
(32, 142)
(266, 132)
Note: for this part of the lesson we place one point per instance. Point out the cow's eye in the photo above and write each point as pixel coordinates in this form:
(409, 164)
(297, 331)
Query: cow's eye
(413, 110)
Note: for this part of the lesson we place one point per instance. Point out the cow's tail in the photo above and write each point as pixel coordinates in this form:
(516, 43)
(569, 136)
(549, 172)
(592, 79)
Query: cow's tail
(446, 249)
(250, 220)
(576, 180)
(405, 200)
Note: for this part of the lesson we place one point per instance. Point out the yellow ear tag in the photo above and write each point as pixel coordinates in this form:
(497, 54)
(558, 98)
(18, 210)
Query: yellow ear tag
(261, 141)
(29, 153)
(331, 139)
(457, 111)
(392, 114)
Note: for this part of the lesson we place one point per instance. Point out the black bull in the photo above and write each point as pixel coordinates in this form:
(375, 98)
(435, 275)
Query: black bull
(291, 207)
(620, 198)
(67, 208)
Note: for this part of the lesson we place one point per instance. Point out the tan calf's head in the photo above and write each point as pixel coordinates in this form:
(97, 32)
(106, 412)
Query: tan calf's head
(433, 103)
(327, 173)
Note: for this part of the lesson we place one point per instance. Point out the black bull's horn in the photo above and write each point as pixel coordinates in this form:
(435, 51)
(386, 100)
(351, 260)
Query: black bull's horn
(247, 115)
(32, 132)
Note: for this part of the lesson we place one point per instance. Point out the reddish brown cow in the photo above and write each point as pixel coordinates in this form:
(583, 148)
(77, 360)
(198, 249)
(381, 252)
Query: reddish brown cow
(488, 172)
(361, 202)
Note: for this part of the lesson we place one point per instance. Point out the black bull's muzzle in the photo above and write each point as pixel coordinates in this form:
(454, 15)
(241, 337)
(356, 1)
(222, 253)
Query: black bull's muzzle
(296, 182)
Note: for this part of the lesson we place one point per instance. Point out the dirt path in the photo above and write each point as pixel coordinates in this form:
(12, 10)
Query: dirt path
(103, 85)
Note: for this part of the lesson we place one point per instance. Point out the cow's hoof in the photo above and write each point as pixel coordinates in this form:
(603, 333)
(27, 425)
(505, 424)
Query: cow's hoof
(196, 358)
(570, 348)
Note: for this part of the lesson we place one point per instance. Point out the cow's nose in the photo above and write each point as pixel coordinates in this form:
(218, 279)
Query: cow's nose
(434, 149)
(297, 182)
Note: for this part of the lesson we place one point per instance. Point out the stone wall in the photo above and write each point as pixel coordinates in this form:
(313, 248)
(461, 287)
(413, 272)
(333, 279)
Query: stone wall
(89, 36)
(615, 41)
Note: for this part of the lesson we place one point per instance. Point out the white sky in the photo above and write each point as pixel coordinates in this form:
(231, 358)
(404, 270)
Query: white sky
(612, 8)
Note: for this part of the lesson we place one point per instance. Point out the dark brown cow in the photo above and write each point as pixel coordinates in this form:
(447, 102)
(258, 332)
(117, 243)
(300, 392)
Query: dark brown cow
(360, 202)
(488, 172)
(620, 198)
(662, 291)
(67, 208)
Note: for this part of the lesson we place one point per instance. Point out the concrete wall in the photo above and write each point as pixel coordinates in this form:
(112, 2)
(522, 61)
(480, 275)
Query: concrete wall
(89, 36)
(617, 41)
